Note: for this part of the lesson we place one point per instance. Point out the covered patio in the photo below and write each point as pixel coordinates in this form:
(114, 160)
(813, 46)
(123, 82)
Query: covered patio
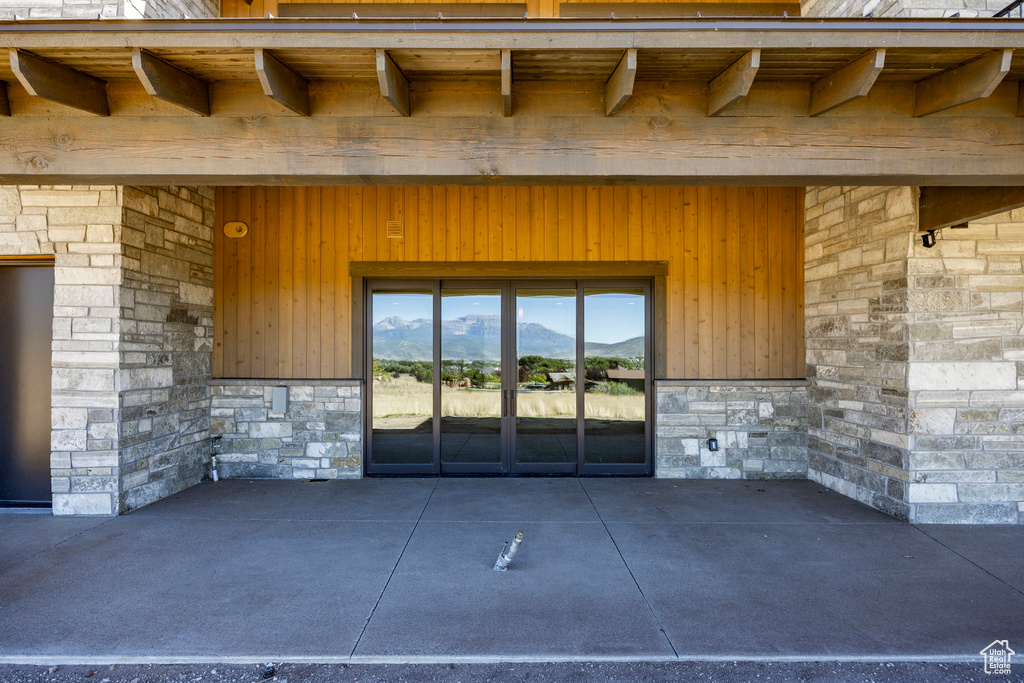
(394, 570)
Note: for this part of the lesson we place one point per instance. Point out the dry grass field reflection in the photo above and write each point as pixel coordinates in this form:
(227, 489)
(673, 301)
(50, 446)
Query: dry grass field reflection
(402, 397)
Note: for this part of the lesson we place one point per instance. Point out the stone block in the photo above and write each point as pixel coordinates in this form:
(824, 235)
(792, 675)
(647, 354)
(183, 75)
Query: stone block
(267, 430)
(10, 201)
(81, 379)
(222, 425)
(238, 457)
(69, 418)
(68, 440)
(146, 378)
(992, 493)
(1006, 513)
(962, 376)
(671, 402)
(347, 423)
(83, 504)
(933, 493)
(712, 458)
(743, 417)
(197, 295)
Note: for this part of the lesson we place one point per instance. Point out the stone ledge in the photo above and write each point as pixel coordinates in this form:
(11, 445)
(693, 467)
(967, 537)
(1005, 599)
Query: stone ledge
(768, 383)
(220, 382)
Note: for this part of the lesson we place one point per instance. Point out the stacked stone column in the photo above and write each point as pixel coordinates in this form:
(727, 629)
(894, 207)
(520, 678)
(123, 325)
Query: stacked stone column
(132, 336)
(917, 397)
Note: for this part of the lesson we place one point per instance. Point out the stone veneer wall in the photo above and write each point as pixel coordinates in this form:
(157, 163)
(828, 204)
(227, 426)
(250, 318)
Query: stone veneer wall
(761, 428)
(966, 378)
(914, 355)
(856, 244)
(132, 271)
(166, 340)
(109, 9)
(901, 8)
(320, 437)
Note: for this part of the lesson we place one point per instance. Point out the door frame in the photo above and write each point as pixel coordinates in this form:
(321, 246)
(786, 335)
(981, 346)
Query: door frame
(509, 365)
(46, 261)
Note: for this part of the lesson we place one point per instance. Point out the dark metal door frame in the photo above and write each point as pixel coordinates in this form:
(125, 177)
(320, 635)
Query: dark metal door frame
(509, 379)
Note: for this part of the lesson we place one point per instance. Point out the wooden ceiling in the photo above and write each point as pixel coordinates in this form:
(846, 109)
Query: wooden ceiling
(946, 63)
(577, 64)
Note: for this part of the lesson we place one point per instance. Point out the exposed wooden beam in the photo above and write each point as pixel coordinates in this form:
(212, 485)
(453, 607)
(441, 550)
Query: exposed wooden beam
(167, 82)
(619, 87)
(281, 83)
(394, 86)
(941, 207)
(968, 82)
(848, 83)
(57, 83)
(590, 149)
(734, 83)
(506, 82)
(5, 105)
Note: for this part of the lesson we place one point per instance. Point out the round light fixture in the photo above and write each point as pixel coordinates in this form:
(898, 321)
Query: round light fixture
(236, 229)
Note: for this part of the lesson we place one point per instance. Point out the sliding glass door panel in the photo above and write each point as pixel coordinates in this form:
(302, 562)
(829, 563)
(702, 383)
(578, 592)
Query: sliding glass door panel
(471, 376)
(402, 392)
(615, 358)
(545, 389)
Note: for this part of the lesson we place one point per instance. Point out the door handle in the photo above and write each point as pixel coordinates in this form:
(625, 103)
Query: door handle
(507, 402)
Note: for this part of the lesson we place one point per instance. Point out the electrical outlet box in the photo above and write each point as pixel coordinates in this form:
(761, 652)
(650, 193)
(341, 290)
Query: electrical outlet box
(280, 402)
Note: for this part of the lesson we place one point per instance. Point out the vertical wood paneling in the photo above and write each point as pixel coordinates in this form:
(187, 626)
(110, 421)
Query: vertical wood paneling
(734, 293)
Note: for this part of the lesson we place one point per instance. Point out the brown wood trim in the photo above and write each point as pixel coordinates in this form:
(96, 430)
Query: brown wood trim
(507, 269)
(22, 258)
(942, 207)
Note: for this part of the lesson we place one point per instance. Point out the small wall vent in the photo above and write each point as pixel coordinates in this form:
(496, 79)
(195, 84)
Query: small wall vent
(396, 229)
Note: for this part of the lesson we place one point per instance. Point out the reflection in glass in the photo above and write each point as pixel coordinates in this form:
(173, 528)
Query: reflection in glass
(546, 385)
(471, 375)
(614, 329)
(403, 377)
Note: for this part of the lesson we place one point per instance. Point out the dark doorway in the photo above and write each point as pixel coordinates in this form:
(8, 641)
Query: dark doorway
(508, 377)
(26, 331)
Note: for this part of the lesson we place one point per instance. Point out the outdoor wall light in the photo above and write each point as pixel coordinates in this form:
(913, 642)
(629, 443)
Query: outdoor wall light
(928, 239)
(712, 444)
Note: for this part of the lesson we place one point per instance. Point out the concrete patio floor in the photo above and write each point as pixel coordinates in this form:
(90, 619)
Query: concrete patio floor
(399, 570)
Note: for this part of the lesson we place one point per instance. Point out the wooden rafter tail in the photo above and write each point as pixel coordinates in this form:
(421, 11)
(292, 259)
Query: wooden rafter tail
(942, 207)
(281, 83)
(394, 86)
(506, 82)
(61, 84)
(849, 83)
(968, 82)
(734, 83)
(619, 87)
(167, 82)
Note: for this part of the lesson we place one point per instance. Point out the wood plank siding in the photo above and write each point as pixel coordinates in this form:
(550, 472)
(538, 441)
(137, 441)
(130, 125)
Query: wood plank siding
(733, 294)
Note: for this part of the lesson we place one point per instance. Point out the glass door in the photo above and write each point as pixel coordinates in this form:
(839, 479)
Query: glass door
(616, 386)
(545, 405)
(501, 377)
(402, 391)
(472, 357)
